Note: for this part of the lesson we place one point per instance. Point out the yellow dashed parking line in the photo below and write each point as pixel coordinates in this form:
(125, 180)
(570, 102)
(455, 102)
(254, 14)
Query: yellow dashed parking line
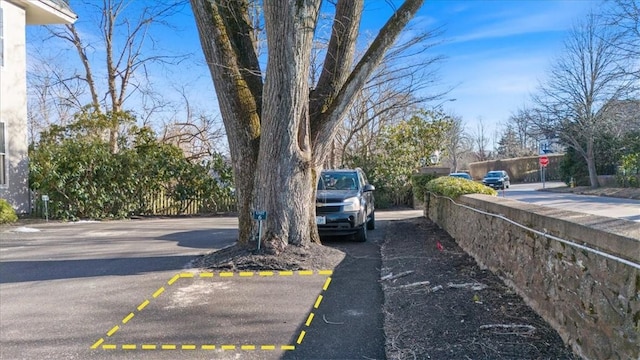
(158, 292)
(126, 319)
(173, 279)
(309, 319)
(326, 284)
(302, 333)
(97, 343)
(227, 347)
(143, 305)
(113, 330)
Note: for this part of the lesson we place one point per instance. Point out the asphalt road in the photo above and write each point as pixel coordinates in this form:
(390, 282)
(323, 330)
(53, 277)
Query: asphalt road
(628, 209)
(122, 289)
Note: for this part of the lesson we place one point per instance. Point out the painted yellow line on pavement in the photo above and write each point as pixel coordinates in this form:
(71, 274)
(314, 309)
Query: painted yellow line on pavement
(143, 305)
(326, 284)
(309, 319)
(126, 319)
(113, 330)
(173, 279)
(158, 292)
(100, 343)
(302, 333)
(97, 343)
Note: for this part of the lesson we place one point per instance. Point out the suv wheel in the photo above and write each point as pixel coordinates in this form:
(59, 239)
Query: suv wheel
(361, 235)
(371, 224)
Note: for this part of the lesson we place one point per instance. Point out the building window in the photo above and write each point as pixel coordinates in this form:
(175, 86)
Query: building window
(3, 153)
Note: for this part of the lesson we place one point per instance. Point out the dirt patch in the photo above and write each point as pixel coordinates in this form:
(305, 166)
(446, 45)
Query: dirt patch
(238, 258)
(439, 304)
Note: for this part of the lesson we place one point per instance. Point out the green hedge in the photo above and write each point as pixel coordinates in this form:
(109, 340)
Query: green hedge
(419, 184)
(7, 214)
(454, 187)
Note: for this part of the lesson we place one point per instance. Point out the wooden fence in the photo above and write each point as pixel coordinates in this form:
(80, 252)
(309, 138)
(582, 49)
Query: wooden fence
(160, 204)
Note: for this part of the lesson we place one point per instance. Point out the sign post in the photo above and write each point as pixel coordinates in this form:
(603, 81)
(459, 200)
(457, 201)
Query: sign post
(259, 215)
(544, 161)
(45, 200)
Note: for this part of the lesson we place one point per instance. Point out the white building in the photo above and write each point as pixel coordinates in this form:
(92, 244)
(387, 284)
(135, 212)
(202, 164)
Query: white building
(14, 16)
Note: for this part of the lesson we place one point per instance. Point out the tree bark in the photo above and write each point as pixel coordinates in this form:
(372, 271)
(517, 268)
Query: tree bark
(228, 45)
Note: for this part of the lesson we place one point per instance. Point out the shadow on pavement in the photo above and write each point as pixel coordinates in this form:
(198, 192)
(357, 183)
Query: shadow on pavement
(203, 239)
(21, 271)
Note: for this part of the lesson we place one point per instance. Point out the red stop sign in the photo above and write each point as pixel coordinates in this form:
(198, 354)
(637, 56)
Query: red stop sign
(544, 160)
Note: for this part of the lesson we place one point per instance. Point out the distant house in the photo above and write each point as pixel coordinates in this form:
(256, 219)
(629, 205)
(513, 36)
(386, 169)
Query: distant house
(14, 16)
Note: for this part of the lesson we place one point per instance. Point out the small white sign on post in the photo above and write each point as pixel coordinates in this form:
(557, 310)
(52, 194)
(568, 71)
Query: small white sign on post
(45, 200)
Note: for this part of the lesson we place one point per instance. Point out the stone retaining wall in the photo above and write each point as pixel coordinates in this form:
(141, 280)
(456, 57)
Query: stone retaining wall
(591, 300)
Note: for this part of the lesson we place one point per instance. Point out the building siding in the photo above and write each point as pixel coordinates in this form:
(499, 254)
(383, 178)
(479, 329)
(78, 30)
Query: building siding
(13, 107)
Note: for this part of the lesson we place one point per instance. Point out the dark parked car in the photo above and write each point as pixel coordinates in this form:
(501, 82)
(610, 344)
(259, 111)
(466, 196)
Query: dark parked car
(345, 204)
(497, 179)
(461, 175)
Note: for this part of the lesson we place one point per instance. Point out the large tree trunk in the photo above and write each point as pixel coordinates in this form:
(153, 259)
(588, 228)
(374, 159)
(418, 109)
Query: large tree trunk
(283, 184)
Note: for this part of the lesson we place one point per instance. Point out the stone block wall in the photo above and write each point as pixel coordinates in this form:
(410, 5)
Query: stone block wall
(592, 300)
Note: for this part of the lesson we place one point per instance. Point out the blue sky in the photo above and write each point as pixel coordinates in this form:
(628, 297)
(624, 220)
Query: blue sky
(496, 51)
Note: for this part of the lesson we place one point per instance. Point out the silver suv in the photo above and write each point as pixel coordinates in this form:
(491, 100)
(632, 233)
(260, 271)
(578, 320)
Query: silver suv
(345, 204)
